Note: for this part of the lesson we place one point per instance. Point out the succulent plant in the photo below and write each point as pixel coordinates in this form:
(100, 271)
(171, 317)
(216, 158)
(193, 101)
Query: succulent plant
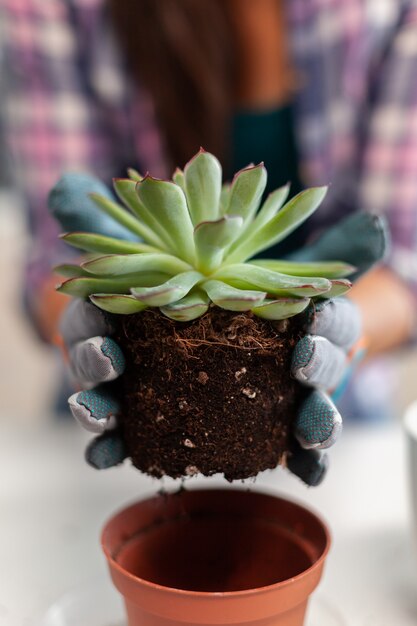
(196, 243)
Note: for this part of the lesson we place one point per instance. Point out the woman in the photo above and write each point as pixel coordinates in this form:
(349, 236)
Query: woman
(321, 91)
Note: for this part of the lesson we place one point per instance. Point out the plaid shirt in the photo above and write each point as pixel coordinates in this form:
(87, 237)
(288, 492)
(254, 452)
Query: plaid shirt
(70, 105)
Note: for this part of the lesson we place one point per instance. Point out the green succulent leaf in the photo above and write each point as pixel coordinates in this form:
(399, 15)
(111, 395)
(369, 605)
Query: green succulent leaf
(189, 308)
(246, 191)
(90, 242)
(116, 264)
(338, 288)
(166, 201)
(172, 290)
(127, 190)
(203, 183)
(270, 207)
(178, 178)
(232, 299)
(134, 174)
(84, 286)
(70, 271)
(123, 217)
(224, 198)
(325, 269)
(116, 303)
(246, 276)
(294, 213)
(211, 239)
(281, 309)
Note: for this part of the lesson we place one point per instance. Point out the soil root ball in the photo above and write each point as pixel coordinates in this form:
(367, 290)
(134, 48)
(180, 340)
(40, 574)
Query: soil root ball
(212, 395)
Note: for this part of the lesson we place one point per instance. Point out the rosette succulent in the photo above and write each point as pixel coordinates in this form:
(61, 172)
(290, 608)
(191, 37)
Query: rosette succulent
(195, 247)
(201, 321)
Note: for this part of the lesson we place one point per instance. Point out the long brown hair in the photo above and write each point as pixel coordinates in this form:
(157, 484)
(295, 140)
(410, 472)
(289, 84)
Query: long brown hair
(183, 52)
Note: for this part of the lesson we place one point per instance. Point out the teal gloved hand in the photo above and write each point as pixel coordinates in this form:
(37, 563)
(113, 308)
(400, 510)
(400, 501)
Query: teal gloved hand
(319, 358)
(95, 360)
(361, 239)
(69, 203)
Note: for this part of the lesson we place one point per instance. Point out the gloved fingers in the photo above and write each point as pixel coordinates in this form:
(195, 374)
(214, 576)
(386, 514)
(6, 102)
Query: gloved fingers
(318, 423)
(361, 239)
(338, 320)
(96, 360)
(95, 410)
(71, 205)
(317, 362)
(106, 451)
(309, 465)
(82, 320)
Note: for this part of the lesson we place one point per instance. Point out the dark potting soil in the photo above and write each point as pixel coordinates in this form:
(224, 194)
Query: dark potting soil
(212, 395)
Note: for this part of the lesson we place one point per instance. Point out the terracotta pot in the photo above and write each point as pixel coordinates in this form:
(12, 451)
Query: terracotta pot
(215, 557)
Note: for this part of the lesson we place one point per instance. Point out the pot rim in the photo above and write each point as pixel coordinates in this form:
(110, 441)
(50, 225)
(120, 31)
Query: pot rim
(224, 594)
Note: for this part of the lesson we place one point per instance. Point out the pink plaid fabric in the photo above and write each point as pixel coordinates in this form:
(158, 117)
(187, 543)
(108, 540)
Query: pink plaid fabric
(70, 105)
(357, 112)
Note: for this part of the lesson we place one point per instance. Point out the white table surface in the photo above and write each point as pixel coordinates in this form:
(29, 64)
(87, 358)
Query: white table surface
(52, 507)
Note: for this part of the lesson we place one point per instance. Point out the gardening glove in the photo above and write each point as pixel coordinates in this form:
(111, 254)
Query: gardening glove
(325, 356)
(69, 203)
(94, 358)
(95, 361)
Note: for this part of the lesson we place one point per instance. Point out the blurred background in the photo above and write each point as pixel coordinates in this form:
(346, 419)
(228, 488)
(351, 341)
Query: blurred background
(29, 368)
(324, 92)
